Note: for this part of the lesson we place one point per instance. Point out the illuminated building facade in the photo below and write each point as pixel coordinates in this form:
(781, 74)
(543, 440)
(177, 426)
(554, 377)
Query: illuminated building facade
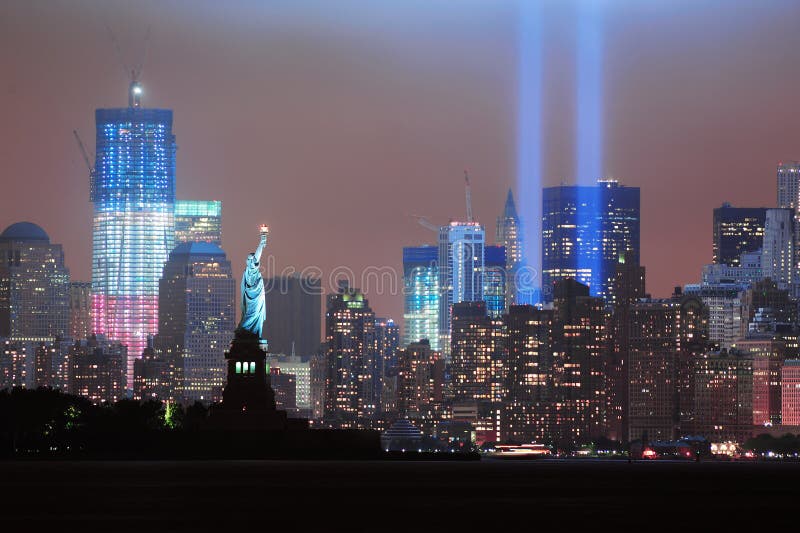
(494, 280)
(723, 301)
(585, 230)
(80, 310)
(382, 341)
(461, 262)
(98, 370)
(529, 376)
(629, 286)
(579, 340)
(349, 387)
(420, 385)
(777, 256)
(790, 392)
(421, 295)
(294, 310)
(722, 394)
(34, 285)
(133, 192)
(737, 230)
(766, 302)
(767, 354)
(665, 336)
(15, 364)
(300, 368)
(476, 372)
(196, 316)
(509, 235)
(748, 270)
(284, 385)
(155, 377)
(198, 221)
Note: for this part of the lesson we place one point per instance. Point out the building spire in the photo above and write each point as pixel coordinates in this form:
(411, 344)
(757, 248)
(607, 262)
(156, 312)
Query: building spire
(510, 209)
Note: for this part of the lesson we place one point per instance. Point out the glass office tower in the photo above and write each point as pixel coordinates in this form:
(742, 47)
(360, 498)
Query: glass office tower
(494, 280)
(421, 295)
(197, 316)
(133, 192)
(460, 271)
(585, 232)
(737, 230)
(198, 221)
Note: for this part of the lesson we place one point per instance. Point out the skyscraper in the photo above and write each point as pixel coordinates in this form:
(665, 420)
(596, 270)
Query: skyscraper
(349, 387)
(724, 310)
(421, 295)
(196, 316)
(509, 235)
(475, 372)
(585, 230)
(737, 230)
(198, 221)
(420, 385)
(34, 284)
(382, 342)
(494, 280)
(529, 377)
(461, 262)
(777, 256)
(80, 308)
(294, 310)
(578, 355)
(133, 192)
(789, 185)
(789, 198)
(629, 286)
(666, 335)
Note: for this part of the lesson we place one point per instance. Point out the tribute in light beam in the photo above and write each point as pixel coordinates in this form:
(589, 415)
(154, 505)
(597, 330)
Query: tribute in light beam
(529, 142)
(589, 141)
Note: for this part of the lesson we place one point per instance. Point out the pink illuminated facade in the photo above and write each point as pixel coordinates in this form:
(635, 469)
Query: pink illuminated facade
(133, 193)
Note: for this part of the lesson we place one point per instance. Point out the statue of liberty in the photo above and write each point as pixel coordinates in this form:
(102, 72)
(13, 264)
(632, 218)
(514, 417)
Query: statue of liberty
(254, 310)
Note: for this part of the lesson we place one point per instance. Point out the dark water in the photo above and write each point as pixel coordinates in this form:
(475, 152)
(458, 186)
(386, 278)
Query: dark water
(489, 495)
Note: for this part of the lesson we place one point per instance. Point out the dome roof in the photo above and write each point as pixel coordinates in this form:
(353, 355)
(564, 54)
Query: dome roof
(402, 429)
(24, 231)
(198, 248)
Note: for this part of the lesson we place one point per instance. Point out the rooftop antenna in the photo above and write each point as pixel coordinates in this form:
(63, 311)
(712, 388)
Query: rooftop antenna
(135, 88)
(469, 196)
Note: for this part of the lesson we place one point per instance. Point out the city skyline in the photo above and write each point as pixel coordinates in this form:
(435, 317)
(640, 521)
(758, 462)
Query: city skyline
(403, 122)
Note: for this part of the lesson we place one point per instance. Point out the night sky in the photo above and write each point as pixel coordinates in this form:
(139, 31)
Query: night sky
(333, 122)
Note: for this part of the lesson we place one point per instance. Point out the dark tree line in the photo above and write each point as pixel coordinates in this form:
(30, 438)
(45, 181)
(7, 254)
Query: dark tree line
(50, 422)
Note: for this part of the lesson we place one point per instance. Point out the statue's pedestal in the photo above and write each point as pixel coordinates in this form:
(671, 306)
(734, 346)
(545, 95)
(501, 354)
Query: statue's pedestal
(248, 401)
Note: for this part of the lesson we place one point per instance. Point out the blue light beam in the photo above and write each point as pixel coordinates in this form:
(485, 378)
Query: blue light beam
(589, 142)
(529, 138)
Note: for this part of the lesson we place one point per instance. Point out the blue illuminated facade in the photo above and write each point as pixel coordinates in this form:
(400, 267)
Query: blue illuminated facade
(585, 231)
(133, 192)
(494, 280)
(460, 271)
(421, 295)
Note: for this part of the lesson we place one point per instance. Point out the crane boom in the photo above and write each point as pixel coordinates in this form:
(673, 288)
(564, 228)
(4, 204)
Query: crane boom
(469, 196)
(86, 159)
(425, 223)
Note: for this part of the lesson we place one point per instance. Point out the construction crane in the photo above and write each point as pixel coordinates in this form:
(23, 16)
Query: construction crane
(469, 196)
(86, 160)
(425, 223)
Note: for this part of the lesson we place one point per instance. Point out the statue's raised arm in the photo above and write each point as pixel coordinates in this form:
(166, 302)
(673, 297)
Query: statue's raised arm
(253, 308)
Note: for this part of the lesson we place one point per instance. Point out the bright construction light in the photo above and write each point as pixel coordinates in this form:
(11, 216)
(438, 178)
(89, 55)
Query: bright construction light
(137, 90)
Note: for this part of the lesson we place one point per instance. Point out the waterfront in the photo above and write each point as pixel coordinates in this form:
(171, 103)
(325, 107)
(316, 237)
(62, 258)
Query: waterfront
(489, 495)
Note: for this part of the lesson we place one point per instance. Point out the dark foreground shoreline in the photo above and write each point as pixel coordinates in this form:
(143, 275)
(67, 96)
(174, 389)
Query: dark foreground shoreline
(487, 495)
